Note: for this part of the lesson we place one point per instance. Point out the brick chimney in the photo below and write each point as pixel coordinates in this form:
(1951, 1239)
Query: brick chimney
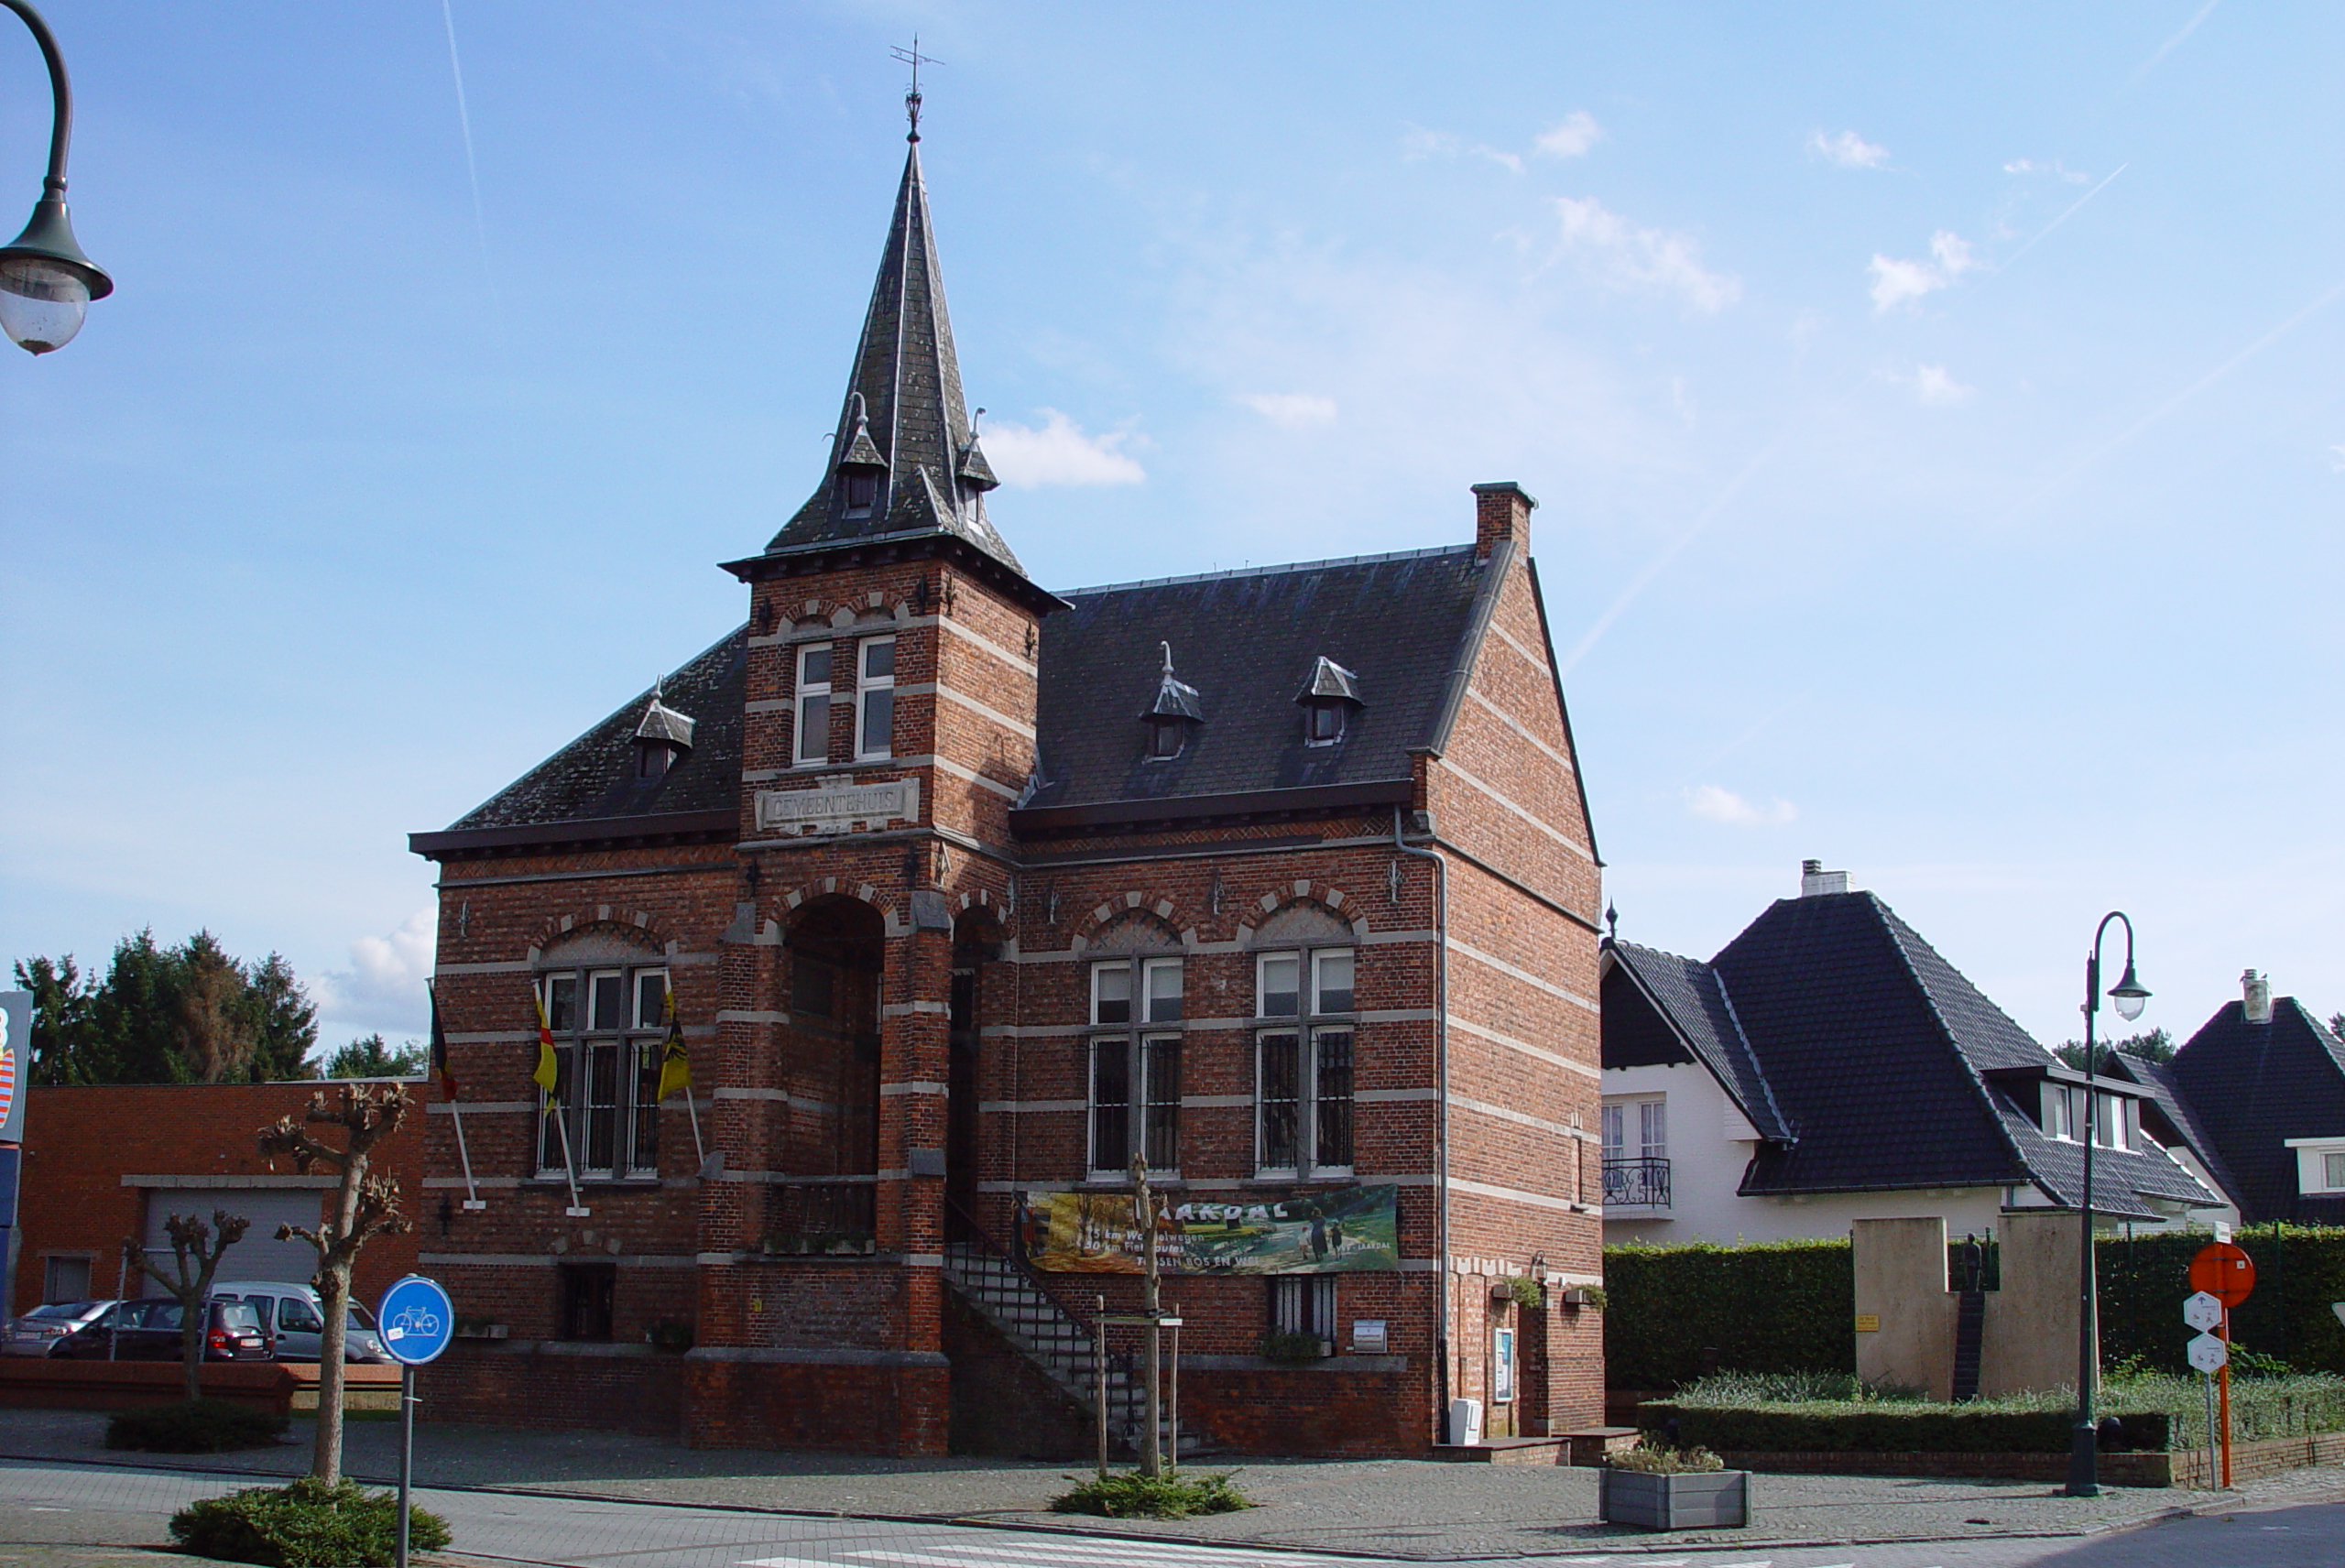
(1501, 511)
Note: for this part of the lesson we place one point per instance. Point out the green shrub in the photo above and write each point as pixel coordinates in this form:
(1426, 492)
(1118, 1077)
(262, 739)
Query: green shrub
(1651, 1458)
(1882, 1427)
(1674, 1313)
(1291, 1349)
(203, 1426)
(305, 1524)
(1525, 1291)
(1171, 1496)
(2299, 1270)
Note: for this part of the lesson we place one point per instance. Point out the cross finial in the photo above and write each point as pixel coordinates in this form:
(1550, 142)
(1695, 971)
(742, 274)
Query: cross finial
(913, 58)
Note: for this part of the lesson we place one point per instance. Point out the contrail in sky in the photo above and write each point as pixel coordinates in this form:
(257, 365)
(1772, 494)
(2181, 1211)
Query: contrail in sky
(1655, 568)
(2167, 47)
(2179, 398)
(471, 169)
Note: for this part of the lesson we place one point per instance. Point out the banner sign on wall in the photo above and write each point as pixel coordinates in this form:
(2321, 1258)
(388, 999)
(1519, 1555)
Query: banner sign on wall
(1351, 1229)
(15, 1061)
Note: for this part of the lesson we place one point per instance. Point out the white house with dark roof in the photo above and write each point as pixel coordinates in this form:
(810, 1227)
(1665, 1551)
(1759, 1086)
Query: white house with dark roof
(1828, 1065)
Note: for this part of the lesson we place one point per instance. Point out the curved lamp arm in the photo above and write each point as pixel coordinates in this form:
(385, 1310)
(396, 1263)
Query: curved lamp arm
(46, 283)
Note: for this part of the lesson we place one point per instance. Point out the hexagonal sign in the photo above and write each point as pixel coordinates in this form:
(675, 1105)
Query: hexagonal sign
(2208, 1354)
(2202, 1311)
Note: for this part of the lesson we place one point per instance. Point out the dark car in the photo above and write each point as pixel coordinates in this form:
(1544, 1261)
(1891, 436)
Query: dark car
(149, 1330)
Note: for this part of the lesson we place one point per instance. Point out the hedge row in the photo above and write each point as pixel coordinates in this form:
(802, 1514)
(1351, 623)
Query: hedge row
(2299, 1270)
(1676, 1314)
(1885, 1429)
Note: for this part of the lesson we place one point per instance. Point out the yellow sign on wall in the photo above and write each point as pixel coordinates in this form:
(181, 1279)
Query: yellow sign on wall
(1868, 1323)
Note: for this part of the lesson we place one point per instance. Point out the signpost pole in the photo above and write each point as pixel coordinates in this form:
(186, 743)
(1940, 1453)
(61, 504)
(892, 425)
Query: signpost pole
(2223, 1384)
(1099, 1365)
(2207, 1378)
(406, 1453)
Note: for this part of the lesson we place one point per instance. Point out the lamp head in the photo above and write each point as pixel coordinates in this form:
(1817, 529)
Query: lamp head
(2130, 995)
(46, 283)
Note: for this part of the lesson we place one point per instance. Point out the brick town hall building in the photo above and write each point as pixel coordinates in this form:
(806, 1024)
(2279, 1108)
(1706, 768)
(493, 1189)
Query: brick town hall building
(969, 892)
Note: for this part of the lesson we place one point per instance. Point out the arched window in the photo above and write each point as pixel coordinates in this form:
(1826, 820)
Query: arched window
(1133, 1057)
(606, 1000)
(1303, 1043)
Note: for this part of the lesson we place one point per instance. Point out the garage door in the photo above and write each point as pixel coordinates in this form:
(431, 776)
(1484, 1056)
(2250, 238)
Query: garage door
(259, 1255)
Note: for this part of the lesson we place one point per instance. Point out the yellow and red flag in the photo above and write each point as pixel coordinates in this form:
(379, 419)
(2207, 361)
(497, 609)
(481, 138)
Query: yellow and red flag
(548, 1070)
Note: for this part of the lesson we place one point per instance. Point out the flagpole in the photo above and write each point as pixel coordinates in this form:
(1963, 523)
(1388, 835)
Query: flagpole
(693, 1106)
(448, 1093)
(569, 1166)
(548, 1079)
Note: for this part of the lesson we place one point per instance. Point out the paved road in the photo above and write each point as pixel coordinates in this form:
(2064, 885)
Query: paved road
(98, 1505)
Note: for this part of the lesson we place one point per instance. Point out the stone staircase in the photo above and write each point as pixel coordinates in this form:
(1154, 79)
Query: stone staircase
(1057, 1344)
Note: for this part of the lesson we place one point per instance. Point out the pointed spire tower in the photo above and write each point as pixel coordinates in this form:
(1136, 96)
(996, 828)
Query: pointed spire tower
(905, 463)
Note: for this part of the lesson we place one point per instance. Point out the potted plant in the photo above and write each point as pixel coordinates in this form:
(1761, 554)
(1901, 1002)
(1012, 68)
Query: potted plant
(1657, 1487)
(1294, 1349)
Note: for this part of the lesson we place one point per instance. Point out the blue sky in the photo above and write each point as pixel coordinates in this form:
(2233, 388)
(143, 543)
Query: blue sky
(1934, 410)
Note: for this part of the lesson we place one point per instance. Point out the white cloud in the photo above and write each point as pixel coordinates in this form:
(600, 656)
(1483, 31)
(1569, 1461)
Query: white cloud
(1059, 453)
(1933, 386)
(1295, 410)
(1421, 142)
(384, 986)
(1896, 282)
(1849, 150)
(1572, 138)
(1628, 255)
(1712, 804)
(2056, 169)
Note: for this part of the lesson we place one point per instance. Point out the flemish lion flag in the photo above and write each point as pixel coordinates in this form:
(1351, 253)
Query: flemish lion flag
(440, 1053)
(548, 1073)
(675, 1067)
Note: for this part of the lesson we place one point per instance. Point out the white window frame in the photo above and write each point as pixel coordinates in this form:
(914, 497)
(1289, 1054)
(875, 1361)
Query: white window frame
(1502, 1353)
(1152, 999)
(867, 689)
(819, 736)
(1614, 1133)
(1314, 1032)
(1303, 1303)
(632, 1110)
(2313, 1155)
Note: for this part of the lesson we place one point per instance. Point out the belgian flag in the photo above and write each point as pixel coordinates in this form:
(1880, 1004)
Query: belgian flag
(675, 1067)
(439, 1052)
(549, 1071)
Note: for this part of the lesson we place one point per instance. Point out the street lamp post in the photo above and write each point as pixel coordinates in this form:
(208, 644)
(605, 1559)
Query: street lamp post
(46, 283)
(2129, 993)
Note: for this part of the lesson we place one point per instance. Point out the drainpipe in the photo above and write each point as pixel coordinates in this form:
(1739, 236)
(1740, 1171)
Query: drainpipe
(1441, 1138)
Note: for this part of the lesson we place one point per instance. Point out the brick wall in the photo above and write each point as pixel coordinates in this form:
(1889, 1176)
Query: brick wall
(80, 1142)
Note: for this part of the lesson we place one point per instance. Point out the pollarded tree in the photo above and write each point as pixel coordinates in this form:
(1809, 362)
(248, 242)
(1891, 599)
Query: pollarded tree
(364, 1207)
(195, 1257)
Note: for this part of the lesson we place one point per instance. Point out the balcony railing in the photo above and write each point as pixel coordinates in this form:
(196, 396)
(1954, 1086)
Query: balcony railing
(1636, 1183)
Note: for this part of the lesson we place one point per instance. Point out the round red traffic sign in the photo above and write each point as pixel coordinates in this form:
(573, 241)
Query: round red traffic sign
(2224, 1271)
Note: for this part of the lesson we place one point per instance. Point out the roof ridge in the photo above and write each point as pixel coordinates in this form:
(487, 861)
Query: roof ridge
(1269, 571)
(1757, 1068)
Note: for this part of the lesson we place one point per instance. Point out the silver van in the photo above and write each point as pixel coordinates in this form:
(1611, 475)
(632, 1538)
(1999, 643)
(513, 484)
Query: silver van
(293, 1312)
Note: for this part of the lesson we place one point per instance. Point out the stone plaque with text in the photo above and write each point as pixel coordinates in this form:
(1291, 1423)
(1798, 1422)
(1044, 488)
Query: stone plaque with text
(840, 807)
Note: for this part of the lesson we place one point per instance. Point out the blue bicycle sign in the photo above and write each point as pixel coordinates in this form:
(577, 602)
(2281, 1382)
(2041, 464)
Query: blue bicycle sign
(417, 1320)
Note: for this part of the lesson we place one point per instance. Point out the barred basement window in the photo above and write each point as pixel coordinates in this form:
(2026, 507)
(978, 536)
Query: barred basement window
(1303, 1303)
(606, 1025)
(1302, 1064)
(1135, 1073)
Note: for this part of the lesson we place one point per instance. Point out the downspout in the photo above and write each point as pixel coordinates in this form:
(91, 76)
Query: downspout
(1441, 1136)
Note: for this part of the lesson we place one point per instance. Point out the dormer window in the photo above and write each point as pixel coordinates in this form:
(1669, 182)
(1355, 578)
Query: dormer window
(1328, 696)
(1173, 715)
(662, 736)
(862, 490)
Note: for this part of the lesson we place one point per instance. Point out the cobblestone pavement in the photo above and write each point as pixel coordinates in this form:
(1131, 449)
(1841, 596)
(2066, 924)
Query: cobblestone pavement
(1376, 1507)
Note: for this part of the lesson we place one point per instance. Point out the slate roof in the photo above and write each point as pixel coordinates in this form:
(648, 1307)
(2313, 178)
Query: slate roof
(2252, 1086)
(1247, 642)
(593, 777)
(2165, 1094)
(1877, 1054)
(1692, 999)
(903, 411)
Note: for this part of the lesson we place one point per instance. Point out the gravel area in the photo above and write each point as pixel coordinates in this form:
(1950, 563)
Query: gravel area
(1399, 1508)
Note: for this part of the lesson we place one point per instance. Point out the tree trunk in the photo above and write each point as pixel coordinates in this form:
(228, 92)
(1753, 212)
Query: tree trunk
(191, 1326)
(334, 1300)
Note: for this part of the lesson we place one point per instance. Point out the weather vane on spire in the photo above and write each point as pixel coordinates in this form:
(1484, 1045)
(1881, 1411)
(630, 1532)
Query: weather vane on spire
(913, 58)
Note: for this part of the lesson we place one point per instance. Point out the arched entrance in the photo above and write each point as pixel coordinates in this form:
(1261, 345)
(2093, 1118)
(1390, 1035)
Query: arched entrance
(829, 1076)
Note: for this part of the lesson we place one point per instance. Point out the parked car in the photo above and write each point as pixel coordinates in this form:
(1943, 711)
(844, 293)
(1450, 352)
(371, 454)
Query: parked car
(149, 1330)
(294, 1313)
(34, 1333)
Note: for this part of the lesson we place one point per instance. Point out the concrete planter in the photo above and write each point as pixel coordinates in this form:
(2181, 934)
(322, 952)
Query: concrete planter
(1673, 1502)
